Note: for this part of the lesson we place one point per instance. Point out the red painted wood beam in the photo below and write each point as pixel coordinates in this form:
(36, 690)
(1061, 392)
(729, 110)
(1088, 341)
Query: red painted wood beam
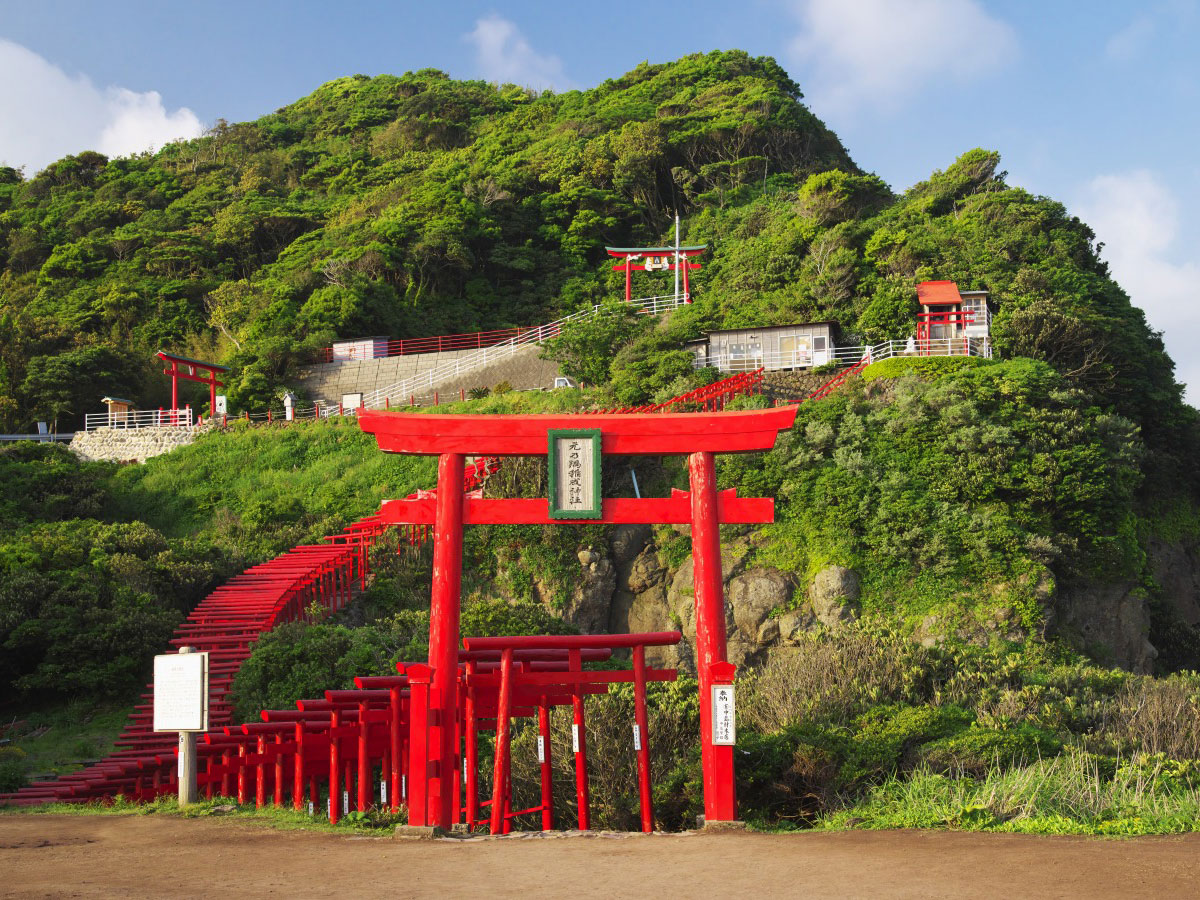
(574, 641)
(673, 510)
(184, 376)
(500, 435)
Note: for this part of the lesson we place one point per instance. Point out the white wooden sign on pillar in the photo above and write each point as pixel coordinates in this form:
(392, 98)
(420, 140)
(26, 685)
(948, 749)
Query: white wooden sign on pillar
(181, 705)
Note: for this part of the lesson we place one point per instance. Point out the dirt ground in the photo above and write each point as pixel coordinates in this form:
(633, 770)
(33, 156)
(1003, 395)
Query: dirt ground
(159, 856)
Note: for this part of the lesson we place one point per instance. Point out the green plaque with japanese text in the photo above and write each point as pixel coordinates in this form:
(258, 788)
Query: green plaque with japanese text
(575, 474)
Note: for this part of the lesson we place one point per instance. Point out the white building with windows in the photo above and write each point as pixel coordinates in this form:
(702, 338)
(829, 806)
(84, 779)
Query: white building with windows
(800, 346)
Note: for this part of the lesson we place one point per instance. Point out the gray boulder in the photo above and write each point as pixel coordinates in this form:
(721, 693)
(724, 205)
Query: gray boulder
(834, 594)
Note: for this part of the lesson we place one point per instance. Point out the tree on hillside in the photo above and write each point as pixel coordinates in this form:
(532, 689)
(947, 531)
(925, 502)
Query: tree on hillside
(586, 348)
(72, 383)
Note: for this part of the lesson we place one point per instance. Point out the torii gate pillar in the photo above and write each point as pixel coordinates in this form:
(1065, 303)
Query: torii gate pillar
(720, 799)
(444, 611)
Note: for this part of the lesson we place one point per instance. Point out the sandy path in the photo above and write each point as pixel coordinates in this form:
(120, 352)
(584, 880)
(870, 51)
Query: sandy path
(159, 856)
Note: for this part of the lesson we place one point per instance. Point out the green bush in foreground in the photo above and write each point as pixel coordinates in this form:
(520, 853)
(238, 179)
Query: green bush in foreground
(300, 660)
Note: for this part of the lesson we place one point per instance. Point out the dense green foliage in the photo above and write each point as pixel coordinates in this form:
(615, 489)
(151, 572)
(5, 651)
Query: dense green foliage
(409, 205)
(305, 660)
(99, 563)
(84, 604)
(46, 483)
(1000, 474)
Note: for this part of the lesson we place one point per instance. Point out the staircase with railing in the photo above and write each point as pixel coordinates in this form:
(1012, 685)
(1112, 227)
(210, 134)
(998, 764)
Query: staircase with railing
(425, 382)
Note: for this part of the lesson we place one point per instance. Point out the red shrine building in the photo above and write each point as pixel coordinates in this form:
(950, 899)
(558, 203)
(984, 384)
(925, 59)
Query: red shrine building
(951, 321)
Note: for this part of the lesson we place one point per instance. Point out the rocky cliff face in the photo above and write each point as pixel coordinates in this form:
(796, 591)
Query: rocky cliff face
(630, 589)
(1114, 623)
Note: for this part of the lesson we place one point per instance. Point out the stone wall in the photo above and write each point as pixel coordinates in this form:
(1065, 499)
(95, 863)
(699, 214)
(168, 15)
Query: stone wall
(522, 368)
(130, 444)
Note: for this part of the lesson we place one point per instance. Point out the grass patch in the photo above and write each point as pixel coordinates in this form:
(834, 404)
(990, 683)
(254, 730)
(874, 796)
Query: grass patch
(283, 818)
(263, 490)
(61, 739)
(1067, 794)
(922, 366)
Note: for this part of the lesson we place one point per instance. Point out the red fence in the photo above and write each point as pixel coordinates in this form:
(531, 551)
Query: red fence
(226, 623)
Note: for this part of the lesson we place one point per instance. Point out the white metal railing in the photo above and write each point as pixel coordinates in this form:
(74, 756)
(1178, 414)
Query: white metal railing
(424, 382)
(142, 418)
(804, 359)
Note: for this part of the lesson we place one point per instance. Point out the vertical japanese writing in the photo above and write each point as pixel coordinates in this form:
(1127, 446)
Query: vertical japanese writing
(576, 465)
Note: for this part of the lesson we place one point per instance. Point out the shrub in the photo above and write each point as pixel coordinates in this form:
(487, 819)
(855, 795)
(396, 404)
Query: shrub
(888, 736)
(830, 677)
(978, 750)
(297, 660)
(84, 605)
(1158, 716)
(43, 482)
(928, 367)
(13, 776)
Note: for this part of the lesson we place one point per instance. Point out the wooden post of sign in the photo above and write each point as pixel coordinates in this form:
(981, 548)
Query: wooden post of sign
(189, 791)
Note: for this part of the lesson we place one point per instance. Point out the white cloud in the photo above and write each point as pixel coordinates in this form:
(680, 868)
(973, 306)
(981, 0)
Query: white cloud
(505, 56)
(1131, 41)
(47, 114)
(1137, 219)
(875, 53)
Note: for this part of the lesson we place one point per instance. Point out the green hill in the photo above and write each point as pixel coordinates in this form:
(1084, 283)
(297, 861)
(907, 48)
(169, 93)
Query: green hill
(997, 520)
(410, 205)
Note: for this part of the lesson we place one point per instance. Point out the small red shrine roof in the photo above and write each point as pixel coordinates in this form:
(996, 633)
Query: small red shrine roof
(935, 293)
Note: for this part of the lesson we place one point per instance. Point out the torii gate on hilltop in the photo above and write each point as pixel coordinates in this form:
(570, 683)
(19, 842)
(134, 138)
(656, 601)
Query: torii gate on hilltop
(575, 446)
(656, 259)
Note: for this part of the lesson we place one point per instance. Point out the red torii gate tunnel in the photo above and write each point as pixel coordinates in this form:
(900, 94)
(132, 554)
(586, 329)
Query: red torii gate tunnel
(453, 437)
(185, 368)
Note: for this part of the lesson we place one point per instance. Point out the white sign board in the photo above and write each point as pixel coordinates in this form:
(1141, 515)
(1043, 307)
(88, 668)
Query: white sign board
(724, 722)
(181, 692)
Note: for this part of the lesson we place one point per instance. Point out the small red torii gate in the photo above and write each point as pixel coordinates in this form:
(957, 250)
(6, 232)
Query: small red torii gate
(453, 437)
(656, 259)
(191, 366)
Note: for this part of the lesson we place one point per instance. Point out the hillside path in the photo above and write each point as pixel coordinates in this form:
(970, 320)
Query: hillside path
(159, 856)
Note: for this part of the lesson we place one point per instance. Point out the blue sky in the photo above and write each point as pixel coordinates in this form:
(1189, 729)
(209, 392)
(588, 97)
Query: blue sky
(1094, 104)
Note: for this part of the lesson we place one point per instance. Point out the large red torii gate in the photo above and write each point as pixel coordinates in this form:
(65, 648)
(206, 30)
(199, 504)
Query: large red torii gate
(453, 437)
